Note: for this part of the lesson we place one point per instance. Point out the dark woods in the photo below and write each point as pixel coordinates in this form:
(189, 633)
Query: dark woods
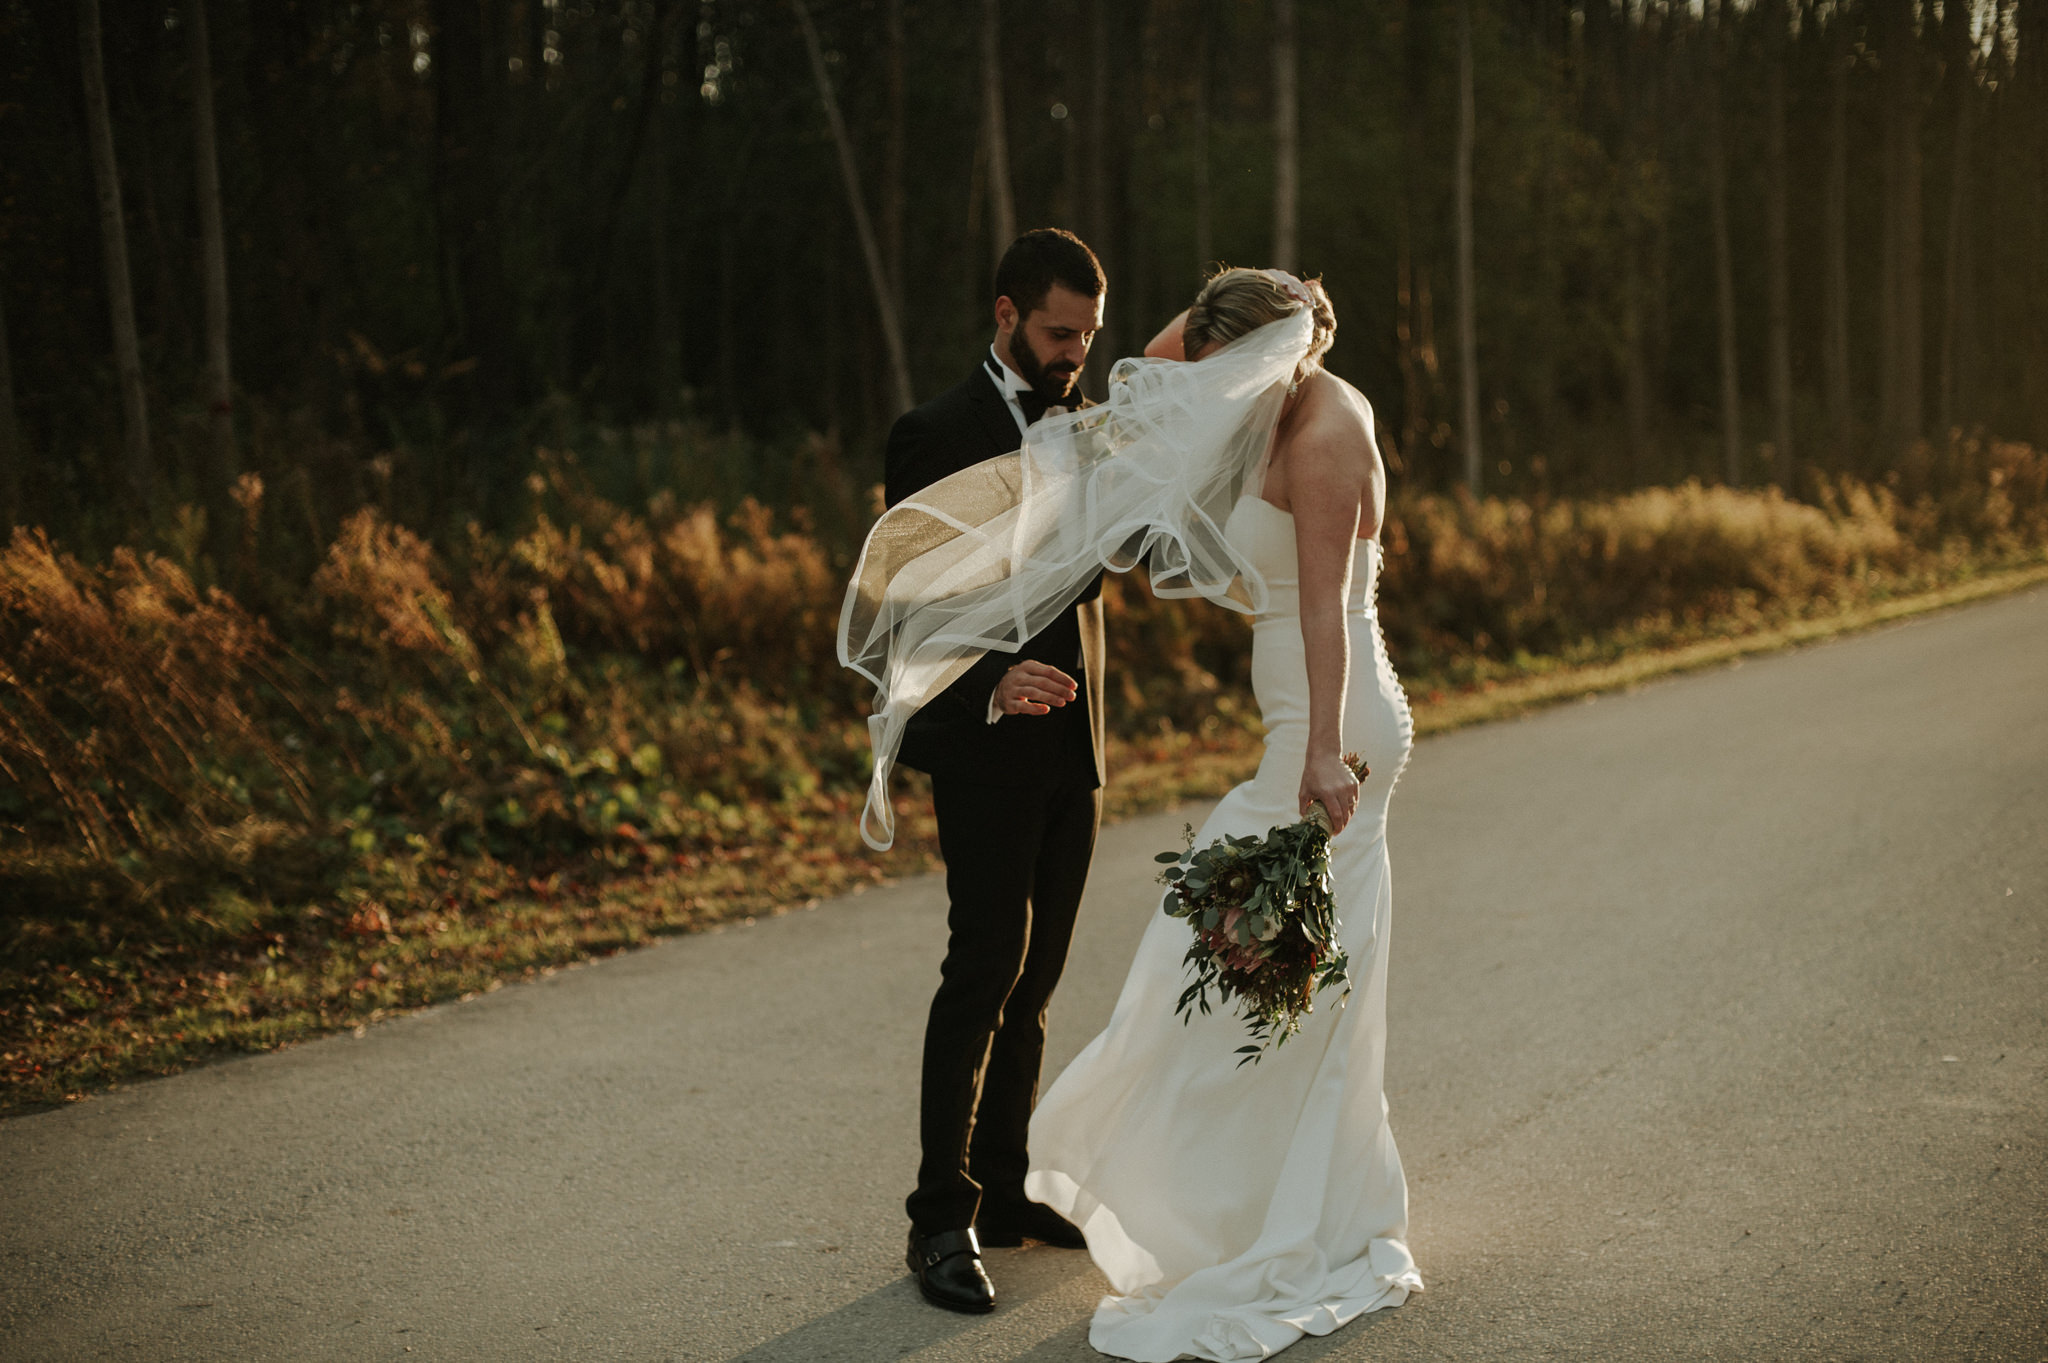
(437, 431)
(378, 252)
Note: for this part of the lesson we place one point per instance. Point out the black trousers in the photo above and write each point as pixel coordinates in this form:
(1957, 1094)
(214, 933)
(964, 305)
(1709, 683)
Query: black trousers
(1016, 862)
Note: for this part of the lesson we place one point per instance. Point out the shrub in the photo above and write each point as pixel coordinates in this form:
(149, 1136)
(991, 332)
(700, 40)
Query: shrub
(133, 706)
(606, 687)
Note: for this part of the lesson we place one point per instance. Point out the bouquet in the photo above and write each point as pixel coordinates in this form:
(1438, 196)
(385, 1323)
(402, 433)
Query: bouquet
(1264, 923)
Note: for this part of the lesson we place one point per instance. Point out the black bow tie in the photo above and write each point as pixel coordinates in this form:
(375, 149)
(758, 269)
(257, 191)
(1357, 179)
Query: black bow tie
(1033, 404)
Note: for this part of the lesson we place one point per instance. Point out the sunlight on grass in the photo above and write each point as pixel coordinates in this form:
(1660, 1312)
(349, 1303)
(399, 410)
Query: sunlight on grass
(442, 767)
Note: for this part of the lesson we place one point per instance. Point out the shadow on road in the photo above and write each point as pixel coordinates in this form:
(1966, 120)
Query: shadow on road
(1044, 1300)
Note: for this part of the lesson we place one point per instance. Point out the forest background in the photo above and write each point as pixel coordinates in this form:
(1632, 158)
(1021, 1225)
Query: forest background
(436, 432)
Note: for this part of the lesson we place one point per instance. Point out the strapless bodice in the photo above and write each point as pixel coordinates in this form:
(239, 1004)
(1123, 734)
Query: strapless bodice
(1264, 535)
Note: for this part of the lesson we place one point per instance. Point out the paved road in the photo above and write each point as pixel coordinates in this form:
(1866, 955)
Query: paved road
(1717, 1032)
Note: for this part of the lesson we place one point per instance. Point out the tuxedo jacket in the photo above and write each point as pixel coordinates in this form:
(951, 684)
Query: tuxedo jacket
(951, 735)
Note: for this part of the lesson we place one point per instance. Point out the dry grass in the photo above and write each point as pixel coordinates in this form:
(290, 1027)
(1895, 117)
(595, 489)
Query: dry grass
(439, 765)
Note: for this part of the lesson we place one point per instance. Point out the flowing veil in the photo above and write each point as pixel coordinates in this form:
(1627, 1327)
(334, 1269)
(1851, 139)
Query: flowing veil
(984, 559)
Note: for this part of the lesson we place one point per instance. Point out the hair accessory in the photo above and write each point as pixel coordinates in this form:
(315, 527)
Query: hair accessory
(1293, 286)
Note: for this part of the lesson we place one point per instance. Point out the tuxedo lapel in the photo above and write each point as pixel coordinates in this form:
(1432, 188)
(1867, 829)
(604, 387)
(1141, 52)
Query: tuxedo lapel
(994, 414)
(1089, 616)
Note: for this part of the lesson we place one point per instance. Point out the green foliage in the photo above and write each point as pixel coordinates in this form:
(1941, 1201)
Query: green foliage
(1265, 924)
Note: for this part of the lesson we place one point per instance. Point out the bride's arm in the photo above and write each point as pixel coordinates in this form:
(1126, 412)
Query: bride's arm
(1329, 489)
(1169, 344)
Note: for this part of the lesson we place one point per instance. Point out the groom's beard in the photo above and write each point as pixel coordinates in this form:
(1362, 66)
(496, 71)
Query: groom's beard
(1054, 383)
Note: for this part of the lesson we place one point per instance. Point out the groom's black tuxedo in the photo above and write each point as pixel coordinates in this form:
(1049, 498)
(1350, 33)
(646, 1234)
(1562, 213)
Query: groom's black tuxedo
(951, 735)
(1017, 804)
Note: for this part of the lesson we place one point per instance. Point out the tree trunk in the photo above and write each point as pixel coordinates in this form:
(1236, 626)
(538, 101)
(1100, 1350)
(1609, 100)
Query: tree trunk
(170, 340)
(728, 309)
(13, 451)
(1205, 210)
(1093, 210)
(611, 225)
(2030, 63)
(1414, 319)
(2028, 333)
(1776, 17)
(1903, 216)
(1724, 263)
(218, 378)
(1638, 147)
(1636, 373)
(885, 303)
(1835, 227)
(892, 158)
(466, 201)
(114, 241)
(1955, 319)
(1286, 139)
(1468, 338)
(668, 330)
(1096, 207)
(1126, 306)
(679, 166)
(1002, 208)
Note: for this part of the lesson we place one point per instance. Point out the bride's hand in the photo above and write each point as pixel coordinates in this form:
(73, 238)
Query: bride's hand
(1328, 780)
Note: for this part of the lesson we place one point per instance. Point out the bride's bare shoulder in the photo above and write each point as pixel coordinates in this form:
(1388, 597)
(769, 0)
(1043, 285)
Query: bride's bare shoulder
(1339, 424)
(1345, 403)
(1331, 458)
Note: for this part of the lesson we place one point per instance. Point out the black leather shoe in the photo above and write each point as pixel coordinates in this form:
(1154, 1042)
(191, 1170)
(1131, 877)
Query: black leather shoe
(1009, 1227)
(948, 1270)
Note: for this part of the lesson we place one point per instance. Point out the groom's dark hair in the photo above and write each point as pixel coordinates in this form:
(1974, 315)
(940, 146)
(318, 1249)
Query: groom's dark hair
(1040, 258)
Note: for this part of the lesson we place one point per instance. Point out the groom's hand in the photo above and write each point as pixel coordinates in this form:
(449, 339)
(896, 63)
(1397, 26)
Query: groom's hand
(1032, 688)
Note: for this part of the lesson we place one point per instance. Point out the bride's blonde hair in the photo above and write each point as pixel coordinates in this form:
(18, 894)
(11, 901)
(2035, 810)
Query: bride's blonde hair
(1236, 302)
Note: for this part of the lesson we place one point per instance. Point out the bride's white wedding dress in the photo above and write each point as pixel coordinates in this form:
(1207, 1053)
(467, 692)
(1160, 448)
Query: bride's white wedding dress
(1236, 1209)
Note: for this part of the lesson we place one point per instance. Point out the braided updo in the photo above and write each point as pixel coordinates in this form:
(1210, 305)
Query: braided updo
(1236, 302)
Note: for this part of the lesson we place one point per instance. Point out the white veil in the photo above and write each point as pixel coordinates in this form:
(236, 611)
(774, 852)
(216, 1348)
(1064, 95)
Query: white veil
(984, 559)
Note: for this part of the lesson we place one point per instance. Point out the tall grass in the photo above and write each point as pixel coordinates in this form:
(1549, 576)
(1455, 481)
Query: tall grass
(1473, 587)
(419, 725)
(670, 671)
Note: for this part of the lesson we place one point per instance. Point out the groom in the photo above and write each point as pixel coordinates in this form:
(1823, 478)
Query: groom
(1014, 750)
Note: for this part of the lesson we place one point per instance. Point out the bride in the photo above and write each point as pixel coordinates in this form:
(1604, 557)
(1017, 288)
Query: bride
(1232, 1209)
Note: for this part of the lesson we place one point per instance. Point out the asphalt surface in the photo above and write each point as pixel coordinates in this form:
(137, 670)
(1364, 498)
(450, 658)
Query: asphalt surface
(1718, 1030)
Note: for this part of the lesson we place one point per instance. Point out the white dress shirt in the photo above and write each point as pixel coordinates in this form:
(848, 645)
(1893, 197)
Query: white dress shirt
(1009, 383)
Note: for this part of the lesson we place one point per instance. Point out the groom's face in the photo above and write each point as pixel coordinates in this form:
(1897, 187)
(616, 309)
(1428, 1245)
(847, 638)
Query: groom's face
(1048, 346)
